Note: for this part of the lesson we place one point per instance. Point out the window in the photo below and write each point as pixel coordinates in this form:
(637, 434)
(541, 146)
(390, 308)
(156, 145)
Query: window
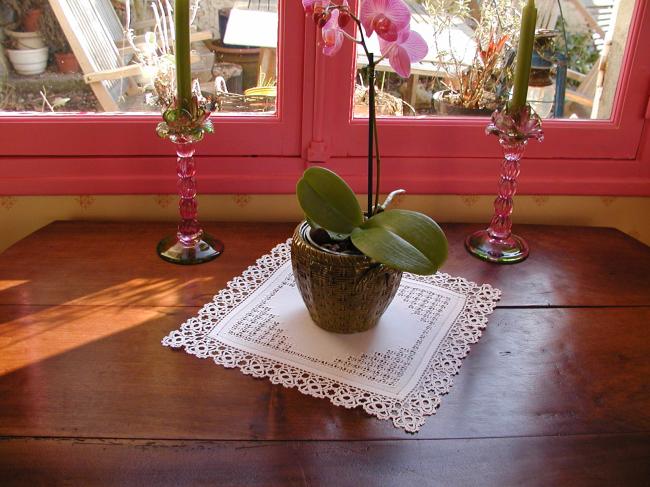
(448, 154)
(314, 118)
(123, 137)
(126, 51)
(471, 52)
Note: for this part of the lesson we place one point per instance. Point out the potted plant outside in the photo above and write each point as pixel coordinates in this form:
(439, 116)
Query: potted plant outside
(24, 32)
(348, 264)
(26, 49)
(478, 89)
(64, 59)
(481, 85)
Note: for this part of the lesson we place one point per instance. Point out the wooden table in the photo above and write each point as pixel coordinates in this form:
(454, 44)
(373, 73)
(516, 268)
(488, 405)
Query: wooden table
(555, 393)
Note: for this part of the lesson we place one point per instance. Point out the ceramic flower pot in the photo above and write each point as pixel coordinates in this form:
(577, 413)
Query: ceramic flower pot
(26, 40)
(28, 61)
(343, 293)
(66, 62)
(246, 57)
(443, 106)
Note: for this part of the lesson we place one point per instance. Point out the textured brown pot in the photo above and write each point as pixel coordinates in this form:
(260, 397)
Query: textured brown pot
(66, 62)
(343, 293)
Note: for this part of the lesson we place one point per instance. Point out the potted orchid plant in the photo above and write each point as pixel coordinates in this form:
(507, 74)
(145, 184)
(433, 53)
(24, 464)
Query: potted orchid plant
(348, 264)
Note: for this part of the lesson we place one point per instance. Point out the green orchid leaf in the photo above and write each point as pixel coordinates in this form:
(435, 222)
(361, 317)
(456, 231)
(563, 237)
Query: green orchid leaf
(328, 201)
(405, 240)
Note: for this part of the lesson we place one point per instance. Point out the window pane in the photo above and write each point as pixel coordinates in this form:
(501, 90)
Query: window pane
(469, 67)
(45, 53)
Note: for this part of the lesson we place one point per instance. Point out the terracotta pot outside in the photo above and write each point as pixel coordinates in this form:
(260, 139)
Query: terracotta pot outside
(66, 62)
(343, 293)
(31, 20)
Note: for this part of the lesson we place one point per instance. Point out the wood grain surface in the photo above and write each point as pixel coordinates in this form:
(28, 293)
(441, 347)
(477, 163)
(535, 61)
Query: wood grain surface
(555, 393)
(575, 461)
(116, 263)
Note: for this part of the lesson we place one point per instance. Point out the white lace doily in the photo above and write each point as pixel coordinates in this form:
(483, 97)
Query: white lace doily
(398, 370)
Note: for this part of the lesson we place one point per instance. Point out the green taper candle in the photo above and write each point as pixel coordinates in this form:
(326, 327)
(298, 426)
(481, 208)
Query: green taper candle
(182, 52)
(524, 56)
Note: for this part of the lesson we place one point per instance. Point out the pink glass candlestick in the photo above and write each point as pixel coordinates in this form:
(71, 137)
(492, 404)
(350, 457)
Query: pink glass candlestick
(497, 243)
(190, 245)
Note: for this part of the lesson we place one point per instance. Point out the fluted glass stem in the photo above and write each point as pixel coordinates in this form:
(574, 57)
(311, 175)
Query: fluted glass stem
(514, 127)
(497, 243)
(189, 229)
(501, 224)
(190, 245)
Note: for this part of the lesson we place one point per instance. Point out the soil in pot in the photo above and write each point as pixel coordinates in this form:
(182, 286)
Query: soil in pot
(344, 292)
(66, 62)
(443, 106)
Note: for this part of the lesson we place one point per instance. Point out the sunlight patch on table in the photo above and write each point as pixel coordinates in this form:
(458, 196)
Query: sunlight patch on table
(7, 284)
(45, 334)
(142, 291)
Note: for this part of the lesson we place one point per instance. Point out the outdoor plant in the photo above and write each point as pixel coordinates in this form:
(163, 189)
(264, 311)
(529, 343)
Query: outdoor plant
(155, 51)
(485, 81)
(401, 239)
(21, 9)
(52, 33)
(582, 52)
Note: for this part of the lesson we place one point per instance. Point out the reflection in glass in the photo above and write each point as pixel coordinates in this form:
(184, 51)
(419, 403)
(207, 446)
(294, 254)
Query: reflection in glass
(468, 70)
(117, 55)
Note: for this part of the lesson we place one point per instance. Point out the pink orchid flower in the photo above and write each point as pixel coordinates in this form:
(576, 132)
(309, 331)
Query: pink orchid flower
(332, 35)
(386, 17)
(409, 47)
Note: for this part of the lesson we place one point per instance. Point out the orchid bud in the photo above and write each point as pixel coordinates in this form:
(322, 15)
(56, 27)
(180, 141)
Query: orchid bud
(344, 18)
(318, 11)
(323, 19)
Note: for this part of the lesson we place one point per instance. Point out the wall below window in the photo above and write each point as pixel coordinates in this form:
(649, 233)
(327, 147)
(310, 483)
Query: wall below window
(22, 215)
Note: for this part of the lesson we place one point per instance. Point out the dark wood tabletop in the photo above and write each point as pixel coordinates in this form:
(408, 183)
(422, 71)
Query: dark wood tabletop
(555, 393)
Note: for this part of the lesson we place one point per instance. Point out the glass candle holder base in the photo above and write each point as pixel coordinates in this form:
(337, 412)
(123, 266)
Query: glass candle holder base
(172, 250)
(508, 250)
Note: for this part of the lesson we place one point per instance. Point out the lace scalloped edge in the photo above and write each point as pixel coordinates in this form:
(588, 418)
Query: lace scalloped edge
(409, 413)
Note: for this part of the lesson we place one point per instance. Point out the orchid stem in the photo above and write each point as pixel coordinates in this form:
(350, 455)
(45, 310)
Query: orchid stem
(378, 172)
(371, 127)
(372, 120)
(348, 36)
(373, 141)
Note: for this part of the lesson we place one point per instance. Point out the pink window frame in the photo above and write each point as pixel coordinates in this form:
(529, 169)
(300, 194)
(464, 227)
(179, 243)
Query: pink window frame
(451, 155)
(118, 154)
